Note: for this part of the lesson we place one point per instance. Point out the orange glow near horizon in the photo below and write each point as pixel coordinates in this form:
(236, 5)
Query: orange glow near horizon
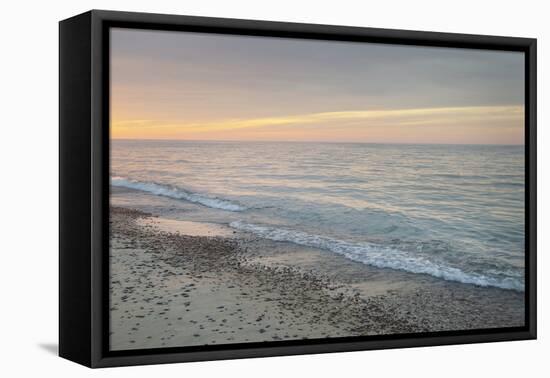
(196, 86)
(500, 124)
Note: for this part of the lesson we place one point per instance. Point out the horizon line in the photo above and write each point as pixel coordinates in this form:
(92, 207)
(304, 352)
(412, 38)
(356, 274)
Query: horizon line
(312, 141)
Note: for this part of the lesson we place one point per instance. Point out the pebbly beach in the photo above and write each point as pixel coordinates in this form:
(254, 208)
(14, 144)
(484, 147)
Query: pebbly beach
(182, 283)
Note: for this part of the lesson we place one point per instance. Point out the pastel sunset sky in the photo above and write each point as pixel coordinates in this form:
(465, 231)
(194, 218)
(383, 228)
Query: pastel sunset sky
(192, 86)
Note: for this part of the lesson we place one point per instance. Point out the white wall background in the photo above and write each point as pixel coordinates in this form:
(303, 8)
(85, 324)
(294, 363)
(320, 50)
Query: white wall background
(29, 174)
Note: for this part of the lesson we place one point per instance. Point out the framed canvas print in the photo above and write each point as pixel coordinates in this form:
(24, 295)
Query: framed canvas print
(233, 188)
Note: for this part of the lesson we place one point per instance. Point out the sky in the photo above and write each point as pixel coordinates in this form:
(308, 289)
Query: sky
(198, 86)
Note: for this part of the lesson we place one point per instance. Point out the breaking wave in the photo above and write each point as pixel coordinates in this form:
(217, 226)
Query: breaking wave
(177, 193)
(382, 257)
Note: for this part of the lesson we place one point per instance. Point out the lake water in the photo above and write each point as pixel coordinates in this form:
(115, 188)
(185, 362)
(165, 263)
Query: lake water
(451, 211)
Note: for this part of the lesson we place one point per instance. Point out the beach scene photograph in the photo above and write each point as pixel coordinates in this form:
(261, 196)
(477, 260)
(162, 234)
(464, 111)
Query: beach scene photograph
(271, 190)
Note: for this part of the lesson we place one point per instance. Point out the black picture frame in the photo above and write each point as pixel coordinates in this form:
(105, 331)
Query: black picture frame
(84, 189)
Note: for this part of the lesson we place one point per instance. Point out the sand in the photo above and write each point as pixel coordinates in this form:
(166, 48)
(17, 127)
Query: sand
(181, 283)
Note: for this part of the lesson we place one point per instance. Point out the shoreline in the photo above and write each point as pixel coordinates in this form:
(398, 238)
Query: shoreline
(215, 287)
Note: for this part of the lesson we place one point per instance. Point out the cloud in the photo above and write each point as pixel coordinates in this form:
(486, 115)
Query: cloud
(396, 117)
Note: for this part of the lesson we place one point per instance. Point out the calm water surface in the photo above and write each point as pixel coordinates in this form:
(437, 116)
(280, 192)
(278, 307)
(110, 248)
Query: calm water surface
(454, 212)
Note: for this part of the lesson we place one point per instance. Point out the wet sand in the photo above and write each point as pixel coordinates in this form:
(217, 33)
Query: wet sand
(181, 283)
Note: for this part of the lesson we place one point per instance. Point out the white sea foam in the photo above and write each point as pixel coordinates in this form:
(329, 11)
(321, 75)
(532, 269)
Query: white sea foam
(380, 256)
(177, 193)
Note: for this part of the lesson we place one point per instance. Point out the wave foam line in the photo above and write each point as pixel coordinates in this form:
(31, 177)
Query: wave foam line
(379, 256)
(176, 193)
